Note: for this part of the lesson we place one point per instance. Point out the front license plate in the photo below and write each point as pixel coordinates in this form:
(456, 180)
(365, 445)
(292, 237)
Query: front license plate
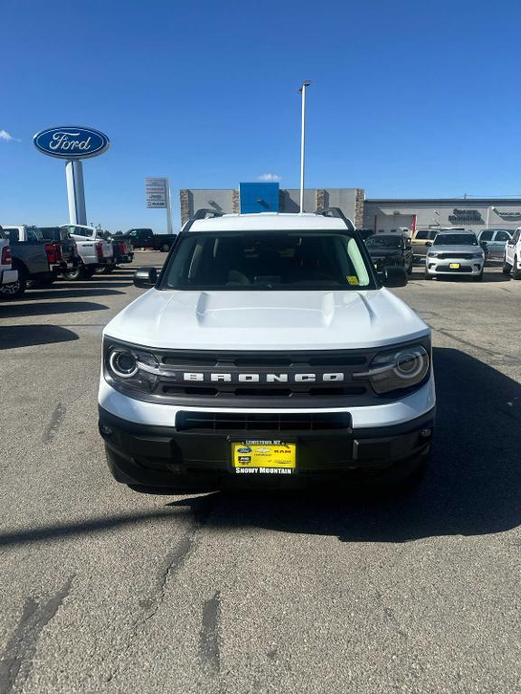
(254, 456)
(454, 266)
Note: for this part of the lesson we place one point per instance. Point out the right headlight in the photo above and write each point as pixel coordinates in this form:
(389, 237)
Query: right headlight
(399, 369)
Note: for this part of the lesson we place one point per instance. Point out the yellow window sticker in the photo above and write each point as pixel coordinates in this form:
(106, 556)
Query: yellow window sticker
(352, 279)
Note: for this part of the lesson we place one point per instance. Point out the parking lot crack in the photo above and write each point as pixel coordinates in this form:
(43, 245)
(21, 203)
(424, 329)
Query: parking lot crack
(16, 660)
(55, 423)
(209, 635)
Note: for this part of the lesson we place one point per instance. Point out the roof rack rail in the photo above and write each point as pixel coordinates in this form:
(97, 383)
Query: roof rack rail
(336, 212)
(202, 213)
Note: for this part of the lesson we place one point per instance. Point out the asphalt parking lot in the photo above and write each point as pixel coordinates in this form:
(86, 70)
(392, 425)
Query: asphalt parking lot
(106, 590)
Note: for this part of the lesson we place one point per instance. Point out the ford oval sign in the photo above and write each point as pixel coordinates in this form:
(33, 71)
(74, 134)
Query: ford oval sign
(71, 142)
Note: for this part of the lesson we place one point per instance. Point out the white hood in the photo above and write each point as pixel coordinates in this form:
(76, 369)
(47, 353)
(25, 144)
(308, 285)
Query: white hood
(266, 320)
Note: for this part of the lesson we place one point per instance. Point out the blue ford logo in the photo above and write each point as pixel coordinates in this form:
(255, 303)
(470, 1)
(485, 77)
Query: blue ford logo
(71, 142)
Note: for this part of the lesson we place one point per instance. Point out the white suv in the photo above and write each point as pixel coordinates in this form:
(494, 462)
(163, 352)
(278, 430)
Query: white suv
(267, 346)
(512, 262)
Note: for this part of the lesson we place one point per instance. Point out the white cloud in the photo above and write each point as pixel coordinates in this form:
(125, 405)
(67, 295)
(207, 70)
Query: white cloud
(269, 177)
(7, 137)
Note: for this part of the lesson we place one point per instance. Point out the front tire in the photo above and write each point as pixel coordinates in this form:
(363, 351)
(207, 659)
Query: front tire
(506, 268)
(107, 269)
(478, 278)
(165, 248)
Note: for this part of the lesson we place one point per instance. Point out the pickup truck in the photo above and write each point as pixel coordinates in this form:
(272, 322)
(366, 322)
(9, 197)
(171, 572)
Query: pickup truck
(268, 349)
(39, 262)
(9, 285)
(94, 252)
(145, 238)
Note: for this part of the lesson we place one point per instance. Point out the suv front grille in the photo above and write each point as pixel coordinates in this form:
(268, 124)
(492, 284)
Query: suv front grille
(456, 256)
(239, 422)
(289, 378)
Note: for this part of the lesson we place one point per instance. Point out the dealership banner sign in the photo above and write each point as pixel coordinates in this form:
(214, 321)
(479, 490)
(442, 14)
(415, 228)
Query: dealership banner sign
(71, 142)
(156, 191)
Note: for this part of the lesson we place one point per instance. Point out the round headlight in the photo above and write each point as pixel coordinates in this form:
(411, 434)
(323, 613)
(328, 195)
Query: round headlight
(408, 364)
(396, 370)
(123, 364)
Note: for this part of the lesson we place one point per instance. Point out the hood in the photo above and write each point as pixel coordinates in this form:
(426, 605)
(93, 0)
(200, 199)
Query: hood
(454, 250)
(274, 320)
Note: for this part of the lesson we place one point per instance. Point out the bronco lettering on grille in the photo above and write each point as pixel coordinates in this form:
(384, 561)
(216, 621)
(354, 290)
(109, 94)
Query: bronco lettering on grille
(201, 377)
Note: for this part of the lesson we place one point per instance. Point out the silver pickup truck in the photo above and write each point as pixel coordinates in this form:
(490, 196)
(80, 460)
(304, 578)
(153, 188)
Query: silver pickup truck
(38, 262)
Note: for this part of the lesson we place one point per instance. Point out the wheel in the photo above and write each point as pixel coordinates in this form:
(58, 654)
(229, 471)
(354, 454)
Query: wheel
(426, 276)
(78, 273)
(165, 247)
(506, 268)
(516, 269)
(409, 269)
(478, 278)
(16, 289)
(107, 269)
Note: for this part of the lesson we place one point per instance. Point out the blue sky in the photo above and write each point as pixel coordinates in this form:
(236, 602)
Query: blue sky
(408, 98)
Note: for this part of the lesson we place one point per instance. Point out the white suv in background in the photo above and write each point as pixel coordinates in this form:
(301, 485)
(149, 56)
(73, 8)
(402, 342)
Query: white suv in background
(512, 262)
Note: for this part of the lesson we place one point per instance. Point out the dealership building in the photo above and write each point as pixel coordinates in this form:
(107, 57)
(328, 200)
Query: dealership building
(367, 213)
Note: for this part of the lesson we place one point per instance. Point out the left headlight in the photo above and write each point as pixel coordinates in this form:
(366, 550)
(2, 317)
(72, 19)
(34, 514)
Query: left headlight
(399, 369)
(129, 367)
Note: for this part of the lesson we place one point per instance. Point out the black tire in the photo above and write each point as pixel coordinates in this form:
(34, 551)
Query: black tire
(516, 269)
(11, 292)
(75, 275)
(165, 247)
(506, 268)
(107, 269)
(478, 278)
(426, 275)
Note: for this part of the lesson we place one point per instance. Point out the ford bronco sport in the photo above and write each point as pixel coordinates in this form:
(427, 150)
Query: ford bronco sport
(266, 347)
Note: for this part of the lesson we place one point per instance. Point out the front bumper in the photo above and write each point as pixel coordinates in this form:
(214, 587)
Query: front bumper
(8, 276)
(157, 456)
(442, 266)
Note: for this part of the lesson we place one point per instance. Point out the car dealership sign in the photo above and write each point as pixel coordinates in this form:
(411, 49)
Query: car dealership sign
(71, 142)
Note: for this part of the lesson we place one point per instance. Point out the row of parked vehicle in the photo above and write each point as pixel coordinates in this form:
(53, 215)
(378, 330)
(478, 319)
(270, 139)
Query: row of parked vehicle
(447, 251)
(33, 256)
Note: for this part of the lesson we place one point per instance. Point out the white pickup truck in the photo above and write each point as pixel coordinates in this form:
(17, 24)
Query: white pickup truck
(8, 276)
(512, 260)
(94, 251)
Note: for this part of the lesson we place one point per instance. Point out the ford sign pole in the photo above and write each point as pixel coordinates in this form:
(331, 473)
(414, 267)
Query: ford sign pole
(73, 143)
(75, 192)
(302, 90)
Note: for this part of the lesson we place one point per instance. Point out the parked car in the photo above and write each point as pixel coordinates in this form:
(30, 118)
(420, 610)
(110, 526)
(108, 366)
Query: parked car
(9, 285)
(390, 249)
(512, 259)
(455, 253)
(94, 251)
(419, 241)
(296, 326)
(39, 262)
(123, 250)
(495, 240)
(145, 238)
(62, 235)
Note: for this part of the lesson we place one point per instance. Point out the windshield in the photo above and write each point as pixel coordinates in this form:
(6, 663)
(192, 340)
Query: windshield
(456, 240)
(267, 261)
(384, 242)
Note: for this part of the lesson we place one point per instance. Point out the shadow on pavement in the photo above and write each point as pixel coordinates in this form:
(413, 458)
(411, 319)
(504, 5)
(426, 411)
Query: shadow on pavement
(26, 335)
(15, 310)
(66, 293)
(473, 487)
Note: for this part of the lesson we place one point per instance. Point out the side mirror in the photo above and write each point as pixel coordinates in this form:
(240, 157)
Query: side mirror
(428, 244)
(393, 277)
(145, 277)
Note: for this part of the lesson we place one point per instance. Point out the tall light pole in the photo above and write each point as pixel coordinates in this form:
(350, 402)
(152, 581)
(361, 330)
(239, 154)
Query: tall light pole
(302, 91)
